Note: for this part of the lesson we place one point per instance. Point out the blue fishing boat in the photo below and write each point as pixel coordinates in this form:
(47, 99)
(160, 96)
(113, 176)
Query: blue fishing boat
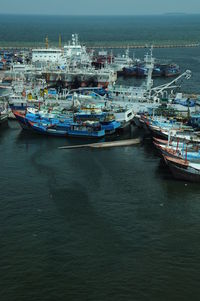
(85, 115)
(21, 118)
(52, 130)
(157, 71)
(25, 118)
(129, 71)
(66, 126)
(86, 129)
(110, 127)
(171, 70)
(107, 121)
(142, 71)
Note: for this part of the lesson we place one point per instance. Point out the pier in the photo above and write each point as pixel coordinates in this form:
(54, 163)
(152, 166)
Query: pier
(142, 46)
(192, 45)
(127, 142)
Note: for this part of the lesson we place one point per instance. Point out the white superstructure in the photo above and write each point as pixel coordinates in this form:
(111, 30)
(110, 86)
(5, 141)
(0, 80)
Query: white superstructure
(52, 55)
(71, 55)
(75, 53)
(73, 49)
(121, 61)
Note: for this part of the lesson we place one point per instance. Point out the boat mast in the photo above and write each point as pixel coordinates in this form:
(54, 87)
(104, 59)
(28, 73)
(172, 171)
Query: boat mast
(60, 41)
(149, 64)
(47, 42)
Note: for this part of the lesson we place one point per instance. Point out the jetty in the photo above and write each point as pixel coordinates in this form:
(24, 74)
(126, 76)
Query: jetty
(127, 142)
(110, 46)
(188, 45)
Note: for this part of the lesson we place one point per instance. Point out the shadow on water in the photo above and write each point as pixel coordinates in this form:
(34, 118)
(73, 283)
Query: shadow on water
(74, 198)
(4, 127)
(25, 136)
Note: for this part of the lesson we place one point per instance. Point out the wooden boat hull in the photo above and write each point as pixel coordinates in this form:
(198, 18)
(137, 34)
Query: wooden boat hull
(21, 119)
(183, 169)
(186, 174)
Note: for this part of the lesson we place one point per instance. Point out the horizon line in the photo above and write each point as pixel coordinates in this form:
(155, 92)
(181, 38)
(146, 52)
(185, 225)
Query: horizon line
(101, 15)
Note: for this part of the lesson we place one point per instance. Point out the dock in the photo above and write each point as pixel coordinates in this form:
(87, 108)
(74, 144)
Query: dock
(127, 142)
(190, 45)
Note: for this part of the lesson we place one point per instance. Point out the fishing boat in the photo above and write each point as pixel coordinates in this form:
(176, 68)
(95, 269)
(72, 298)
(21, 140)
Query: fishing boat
(110, 126)
(159, 70)
(191, 153)
(183, 169)
(51, 130)
(24, 118)
(176, 132)
(107, 120)
(60, 121)
(18, 102)
(87, 129)
(122, 115)
(172, 143)
(59, 127)
(171, 70)
(121, 61)
(21, 118)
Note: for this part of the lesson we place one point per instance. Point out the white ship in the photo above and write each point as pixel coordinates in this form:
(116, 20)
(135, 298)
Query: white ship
(49, 55)
(76, 54)
(68, 67)
(133, 94)
(120, 61)
(80, 77)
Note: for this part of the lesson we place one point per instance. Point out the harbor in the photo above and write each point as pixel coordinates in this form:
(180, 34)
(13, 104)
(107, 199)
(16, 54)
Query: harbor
(100, 165)
(61, 93)
(45, 98)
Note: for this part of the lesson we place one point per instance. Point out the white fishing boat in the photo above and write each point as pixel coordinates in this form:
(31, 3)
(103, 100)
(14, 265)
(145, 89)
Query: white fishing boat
(121, 61)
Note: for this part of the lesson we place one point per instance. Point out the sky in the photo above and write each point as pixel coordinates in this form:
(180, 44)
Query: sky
(99, 7)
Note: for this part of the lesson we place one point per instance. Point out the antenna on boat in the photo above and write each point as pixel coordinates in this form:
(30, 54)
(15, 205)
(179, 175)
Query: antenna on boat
(127, 52)
(149, 64)
(60, 41)
(47, 42)
(111, 56)
(74, 39)
(188, 112)
(186, 154)
(169, 138)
